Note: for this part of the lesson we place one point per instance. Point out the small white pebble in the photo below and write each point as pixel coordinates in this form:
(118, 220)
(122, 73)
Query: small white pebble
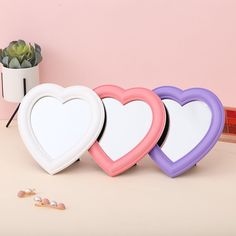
(37, 199)
(28, 190)
(53, 203)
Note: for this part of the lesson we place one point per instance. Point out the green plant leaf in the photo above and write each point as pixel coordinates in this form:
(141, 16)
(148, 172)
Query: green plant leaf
(21, 42)
(26, 64)
(21, 58)
(10, 51)
(5, 61)
(12, 43)
(37, 48)
(4, 52)
(14, 63)
(38, 58)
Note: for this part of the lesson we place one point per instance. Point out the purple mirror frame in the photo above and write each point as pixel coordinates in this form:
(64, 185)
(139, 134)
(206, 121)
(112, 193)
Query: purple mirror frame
(174, 169)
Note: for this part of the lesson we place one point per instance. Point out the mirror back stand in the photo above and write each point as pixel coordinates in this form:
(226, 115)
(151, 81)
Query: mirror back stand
(17, 108)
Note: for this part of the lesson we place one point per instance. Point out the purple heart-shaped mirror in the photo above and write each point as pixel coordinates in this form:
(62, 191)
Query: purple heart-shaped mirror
(195, 120)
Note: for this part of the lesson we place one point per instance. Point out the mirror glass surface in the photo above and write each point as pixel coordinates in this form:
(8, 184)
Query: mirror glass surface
(125, 126)
(59, 126)
(188, 125)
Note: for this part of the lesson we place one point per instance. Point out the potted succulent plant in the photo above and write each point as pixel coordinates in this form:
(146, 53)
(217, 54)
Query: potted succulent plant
(20, 69)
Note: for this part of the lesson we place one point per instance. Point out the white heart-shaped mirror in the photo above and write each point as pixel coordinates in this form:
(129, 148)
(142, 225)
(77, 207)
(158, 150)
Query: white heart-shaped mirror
(59, 124)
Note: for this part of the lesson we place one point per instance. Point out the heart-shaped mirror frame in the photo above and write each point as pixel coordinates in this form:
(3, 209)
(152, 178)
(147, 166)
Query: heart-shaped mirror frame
(64, 95)
(174, 169)
(114, 168)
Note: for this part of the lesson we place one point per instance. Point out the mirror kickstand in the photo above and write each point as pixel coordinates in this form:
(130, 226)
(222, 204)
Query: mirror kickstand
(12, 116)
(16, 110)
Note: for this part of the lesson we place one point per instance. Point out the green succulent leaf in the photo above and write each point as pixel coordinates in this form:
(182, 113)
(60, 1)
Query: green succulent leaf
(38, 58)
(4, 52)
(37, 48)
(14, 63)
(21, 42)
(26, 64)
(12, 43)
(10, 51)
(5, 61)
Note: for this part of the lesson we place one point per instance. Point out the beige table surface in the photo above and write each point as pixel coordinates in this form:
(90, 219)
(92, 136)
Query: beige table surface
(142, 201)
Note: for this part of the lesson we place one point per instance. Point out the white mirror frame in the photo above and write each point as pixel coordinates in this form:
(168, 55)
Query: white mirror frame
(52, 165)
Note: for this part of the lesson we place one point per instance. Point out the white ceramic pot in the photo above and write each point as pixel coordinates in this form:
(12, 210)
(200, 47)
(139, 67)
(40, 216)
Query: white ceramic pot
(13, 85)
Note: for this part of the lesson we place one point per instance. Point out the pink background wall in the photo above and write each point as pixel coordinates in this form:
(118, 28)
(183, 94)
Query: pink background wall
(147, 43)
